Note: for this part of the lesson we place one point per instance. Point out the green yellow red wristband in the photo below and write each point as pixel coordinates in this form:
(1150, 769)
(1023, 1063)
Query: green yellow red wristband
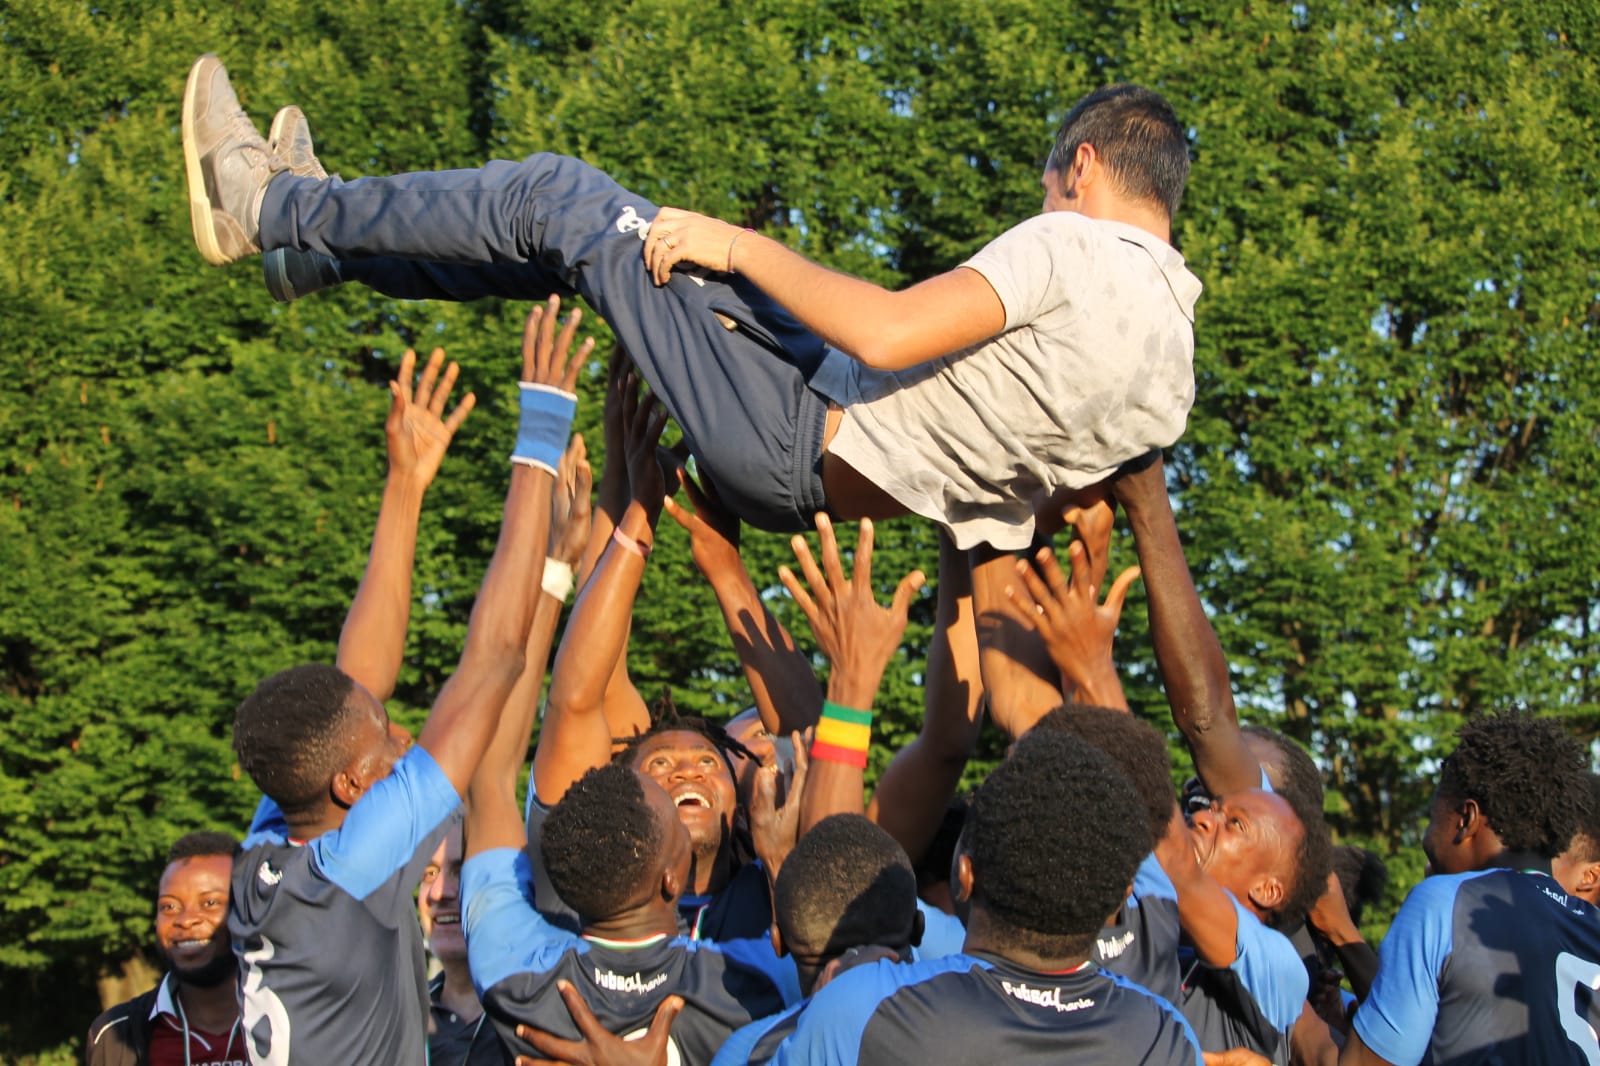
(843, 735)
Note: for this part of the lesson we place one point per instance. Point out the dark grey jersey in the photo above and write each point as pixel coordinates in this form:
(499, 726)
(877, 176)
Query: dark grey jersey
(330, 953)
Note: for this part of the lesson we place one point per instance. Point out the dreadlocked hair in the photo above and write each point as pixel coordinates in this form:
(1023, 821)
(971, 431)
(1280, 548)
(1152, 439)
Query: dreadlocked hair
(664, 718)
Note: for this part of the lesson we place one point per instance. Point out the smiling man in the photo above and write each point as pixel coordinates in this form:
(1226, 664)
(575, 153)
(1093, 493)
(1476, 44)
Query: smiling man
(458, 1032)
(192, 1016)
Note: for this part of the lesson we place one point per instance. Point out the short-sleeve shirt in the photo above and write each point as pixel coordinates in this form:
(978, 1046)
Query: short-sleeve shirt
(1487, 967)
(516, 958)
(1141, 943)
(1095, 367)
(979, 1008)
(1254, 1001)
(742, 910)
(331, 965)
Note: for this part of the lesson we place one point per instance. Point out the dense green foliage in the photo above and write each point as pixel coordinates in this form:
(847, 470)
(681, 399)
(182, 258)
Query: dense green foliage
(1388, 485)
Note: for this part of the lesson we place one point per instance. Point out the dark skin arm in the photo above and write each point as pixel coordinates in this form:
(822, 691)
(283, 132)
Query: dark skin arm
(1018, 676)
(1356, 1053)
(912, 794)
(464, 717)
(781, 682)
(857, 637)
(1330, 917)
(576, 736)
(417, 433)
(1188, 653)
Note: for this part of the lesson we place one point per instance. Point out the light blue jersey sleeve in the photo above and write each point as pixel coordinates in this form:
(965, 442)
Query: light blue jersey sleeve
(1397, 1019)
(505, 935)
(1150, 881)
(1270, 969)
(382, 833)
(942, 934)
(736, 1050)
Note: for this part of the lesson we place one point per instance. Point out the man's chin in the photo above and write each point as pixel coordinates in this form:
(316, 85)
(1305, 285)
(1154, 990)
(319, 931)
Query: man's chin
(207, 974)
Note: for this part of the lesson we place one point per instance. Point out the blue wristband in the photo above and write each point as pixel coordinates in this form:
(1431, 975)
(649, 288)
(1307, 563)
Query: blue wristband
(545, 424)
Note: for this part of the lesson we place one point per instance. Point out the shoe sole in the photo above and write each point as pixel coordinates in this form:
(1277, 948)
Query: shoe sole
(201, 215)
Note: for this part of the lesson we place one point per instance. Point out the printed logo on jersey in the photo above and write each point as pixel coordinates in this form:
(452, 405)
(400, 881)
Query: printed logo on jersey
(1044, 997)
(630, 222)
(631, 982)
(268, 875)
(1115, 946)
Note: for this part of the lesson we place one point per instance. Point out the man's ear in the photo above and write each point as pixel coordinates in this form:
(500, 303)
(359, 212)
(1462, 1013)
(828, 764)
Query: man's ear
(1469, 821)
(1267, 893)
(777, 941)
(1589, 882)
(961, 886)
(919, 926)
(1086, 167)
(671, 887)
(349, 785)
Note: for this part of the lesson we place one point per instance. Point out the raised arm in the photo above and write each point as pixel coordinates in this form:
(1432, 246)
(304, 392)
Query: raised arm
(858, 637)
(576, 737)
(911, 797)
(417, 434)
(464, 716)
(882, 329)
(1188, 653)
(1021, 682)
(784, 689)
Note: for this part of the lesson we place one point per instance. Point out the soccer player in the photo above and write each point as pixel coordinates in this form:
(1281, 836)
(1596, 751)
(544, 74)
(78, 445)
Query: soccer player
(1054, 838)
(321, 914)
(192, 1016)
(1490, 960)
(1061, 350)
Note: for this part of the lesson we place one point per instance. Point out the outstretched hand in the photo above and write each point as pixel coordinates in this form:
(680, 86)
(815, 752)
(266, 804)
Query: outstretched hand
(417, 432)
(596, 1046)
(547, 357)
(713, 529)
(857, 636)
(570, 503)
(678, 236)
(643, 420)
(774, 829)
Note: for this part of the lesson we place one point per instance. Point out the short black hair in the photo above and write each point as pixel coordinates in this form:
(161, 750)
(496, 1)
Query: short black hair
(847, 883)
(1527, 776)
(288, 735)
(1138, 137)
(202, 845)
(1133, 746)
(601, 842)
(1055, 835)
(1294, 775)
(1585, 843)
(1363, 877)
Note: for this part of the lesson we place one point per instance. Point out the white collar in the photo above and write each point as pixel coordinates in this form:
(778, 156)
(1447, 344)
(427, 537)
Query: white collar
(164, 1002)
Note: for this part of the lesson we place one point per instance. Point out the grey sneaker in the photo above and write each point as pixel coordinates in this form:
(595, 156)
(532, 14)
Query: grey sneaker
(227, 163)
(290, 141)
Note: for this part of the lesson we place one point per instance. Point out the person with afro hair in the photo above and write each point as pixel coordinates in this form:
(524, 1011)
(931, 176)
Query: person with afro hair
(1052, 842)
(617, 852)
(1490, 959)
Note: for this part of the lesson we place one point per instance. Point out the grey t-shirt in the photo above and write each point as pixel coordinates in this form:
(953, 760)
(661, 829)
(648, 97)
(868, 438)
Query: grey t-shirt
(1095, 367)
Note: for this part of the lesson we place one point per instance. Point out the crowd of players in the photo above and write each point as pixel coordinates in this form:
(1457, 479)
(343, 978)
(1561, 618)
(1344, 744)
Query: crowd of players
(719, 893)
(675, 890)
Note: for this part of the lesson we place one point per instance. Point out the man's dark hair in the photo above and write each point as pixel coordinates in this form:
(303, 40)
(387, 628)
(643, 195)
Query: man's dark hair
(1363, 877)
(1138, 137)
(289, 735)
(202, 845)
(601, 842)
(1055, 836)
(847, 883)
(1527, 776)
(1294, 775)
(664, 718)
(1133, 746)
(1585, 843)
